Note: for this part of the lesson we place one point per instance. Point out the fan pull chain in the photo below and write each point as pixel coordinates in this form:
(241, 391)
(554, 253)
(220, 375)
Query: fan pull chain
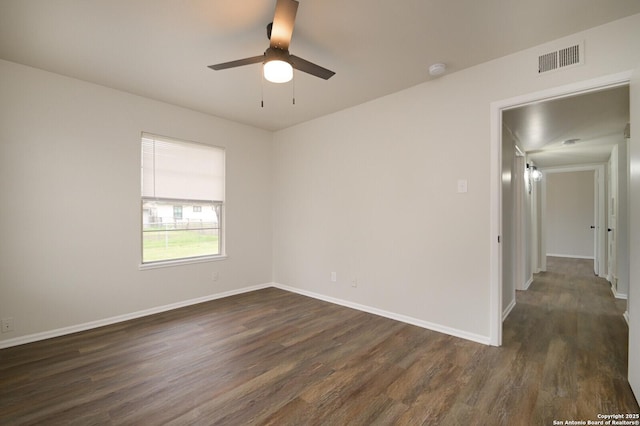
(294, 88)
(262, 86)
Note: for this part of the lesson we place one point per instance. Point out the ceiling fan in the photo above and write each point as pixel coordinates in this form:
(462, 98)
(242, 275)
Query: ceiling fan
(278, 62)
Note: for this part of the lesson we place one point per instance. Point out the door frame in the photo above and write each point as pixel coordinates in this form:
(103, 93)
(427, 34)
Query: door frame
(599, 214)
(495, 226)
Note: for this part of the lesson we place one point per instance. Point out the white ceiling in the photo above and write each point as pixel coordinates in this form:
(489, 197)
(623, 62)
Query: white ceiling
(597, 119)
(161, 48)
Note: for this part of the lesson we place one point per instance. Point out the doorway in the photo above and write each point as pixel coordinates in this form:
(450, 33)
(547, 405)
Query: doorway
(573, 217)
(499, 286)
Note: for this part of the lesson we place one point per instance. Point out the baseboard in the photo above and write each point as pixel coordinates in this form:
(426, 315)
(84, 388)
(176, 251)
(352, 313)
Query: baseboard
(570, 256)
(508, 309)
(626, 316)
(618, 295)
(528, 283)
(391, 315)
(30, 338)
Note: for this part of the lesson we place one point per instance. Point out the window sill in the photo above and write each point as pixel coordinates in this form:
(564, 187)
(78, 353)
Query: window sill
(179, 262)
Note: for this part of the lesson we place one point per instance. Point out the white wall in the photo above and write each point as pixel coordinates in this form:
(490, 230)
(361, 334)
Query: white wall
(370, 192)
(533, 200)
(522, 226)
(509, 222)
(622, 239)
(530, 232)
(70, 186)
(569, 214)
(634, 236)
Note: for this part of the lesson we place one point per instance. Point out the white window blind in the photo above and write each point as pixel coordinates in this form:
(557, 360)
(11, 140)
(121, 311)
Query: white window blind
(181, 170)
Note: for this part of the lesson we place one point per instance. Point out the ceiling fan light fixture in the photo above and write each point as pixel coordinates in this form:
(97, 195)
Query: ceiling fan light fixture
(277, 71)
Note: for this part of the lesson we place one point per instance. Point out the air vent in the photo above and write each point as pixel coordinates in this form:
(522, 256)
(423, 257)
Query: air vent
(548, 62)
(561, 58)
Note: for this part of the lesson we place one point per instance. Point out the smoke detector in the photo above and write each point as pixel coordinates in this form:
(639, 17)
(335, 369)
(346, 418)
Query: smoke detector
(436, 70)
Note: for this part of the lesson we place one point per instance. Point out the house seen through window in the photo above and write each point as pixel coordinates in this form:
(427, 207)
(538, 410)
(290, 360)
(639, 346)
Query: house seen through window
(182, 199)
(177, 212)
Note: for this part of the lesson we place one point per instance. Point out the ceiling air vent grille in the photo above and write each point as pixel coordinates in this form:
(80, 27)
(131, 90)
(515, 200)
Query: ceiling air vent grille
(548, 62)
(561, 58)
(569, 56)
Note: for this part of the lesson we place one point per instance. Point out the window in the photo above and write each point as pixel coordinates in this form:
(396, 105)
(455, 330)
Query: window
(177, 212)
(179, 179)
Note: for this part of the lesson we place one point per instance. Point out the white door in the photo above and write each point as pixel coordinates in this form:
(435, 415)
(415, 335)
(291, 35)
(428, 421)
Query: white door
(612, 225)
(634, 234)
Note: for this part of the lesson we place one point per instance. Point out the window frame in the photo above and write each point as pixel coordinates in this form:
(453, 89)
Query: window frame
(217, 205)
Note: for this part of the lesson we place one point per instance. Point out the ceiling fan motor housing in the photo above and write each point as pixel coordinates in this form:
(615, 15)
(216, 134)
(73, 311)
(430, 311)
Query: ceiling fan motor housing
(275, 54)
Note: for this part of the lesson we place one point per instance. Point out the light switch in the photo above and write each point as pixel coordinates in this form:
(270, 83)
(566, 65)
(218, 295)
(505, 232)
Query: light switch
(462, 186)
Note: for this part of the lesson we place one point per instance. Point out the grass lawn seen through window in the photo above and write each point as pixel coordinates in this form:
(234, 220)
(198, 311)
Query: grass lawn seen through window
(167, 244)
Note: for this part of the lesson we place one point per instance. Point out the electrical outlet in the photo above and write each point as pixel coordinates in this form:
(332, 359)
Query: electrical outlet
(354, 282)
(7, 325)
(215, 276)
(334, 277)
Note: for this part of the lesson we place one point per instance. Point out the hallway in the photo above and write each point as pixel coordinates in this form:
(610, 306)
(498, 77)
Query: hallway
(571, 330)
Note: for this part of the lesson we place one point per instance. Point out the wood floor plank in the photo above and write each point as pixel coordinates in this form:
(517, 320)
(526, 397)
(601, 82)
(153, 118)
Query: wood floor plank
(271, 357)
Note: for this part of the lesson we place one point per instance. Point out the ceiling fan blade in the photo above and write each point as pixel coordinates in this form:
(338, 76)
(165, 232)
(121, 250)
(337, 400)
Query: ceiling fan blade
(283, 20)
(310, 68)
(238, 63)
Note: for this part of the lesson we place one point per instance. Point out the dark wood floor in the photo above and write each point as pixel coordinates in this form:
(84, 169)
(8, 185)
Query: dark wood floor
(272, 357)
